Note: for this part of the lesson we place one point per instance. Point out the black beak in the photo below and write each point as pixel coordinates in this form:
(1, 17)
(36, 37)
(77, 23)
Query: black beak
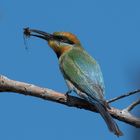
(37, 33)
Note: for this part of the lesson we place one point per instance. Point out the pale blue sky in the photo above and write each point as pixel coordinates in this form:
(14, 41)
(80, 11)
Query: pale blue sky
(109, 30)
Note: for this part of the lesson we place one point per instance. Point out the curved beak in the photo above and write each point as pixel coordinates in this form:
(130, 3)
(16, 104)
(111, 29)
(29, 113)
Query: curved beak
(37, 33)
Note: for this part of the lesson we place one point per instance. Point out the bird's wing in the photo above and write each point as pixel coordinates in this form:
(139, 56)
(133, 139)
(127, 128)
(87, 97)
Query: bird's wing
(83, 72)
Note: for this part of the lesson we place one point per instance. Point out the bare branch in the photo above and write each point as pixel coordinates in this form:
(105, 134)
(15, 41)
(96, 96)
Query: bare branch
(131, 106)
(7, 85)
(124, 95)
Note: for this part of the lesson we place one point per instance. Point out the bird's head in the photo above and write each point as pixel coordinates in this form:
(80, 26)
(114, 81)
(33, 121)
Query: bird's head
(60, 42)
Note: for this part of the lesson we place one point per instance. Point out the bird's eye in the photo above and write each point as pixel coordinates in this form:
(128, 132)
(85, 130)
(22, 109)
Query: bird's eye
(64, 39)
(69, 42)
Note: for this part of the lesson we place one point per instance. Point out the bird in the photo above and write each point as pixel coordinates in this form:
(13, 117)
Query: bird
(81, 71)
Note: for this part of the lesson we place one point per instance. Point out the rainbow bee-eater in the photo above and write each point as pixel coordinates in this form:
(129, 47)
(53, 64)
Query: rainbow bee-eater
(81, 71)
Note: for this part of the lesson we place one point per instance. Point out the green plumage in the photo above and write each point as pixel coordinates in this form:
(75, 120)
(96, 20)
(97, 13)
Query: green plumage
(83, 75)
(83, 71)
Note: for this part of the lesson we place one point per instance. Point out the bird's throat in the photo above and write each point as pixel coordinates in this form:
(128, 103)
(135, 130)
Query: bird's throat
(61, 50)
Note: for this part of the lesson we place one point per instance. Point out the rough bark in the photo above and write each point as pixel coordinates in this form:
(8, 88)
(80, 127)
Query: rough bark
(8, 85)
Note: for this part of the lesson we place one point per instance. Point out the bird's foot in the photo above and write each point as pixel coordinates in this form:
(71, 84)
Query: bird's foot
(68, 92)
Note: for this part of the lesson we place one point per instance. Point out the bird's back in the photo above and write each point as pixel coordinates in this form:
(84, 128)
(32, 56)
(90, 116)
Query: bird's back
(83, 71)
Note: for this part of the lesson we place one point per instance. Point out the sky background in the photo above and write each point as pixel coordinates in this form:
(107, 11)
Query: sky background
(109, 30)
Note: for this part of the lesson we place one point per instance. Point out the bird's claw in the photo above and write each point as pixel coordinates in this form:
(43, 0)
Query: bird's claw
(68, 92)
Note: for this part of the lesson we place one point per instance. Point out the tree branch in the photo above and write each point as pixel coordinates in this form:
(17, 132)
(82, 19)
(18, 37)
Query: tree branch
(7, 85)
(131, 106)
(124, 95)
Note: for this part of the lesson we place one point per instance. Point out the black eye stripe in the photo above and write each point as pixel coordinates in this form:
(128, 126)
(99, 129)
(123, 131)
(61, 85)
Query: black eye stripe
(63, 39)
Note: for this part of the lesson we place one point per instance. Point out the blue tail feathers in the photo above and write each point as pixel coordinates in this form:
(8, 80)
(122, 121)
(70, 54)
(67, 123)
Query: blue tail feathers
(113, 127)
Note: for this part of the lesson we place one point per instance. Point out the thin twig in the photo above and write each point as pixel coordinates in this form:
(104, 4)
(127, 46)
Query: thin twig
(124, 95)
(134, 104)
